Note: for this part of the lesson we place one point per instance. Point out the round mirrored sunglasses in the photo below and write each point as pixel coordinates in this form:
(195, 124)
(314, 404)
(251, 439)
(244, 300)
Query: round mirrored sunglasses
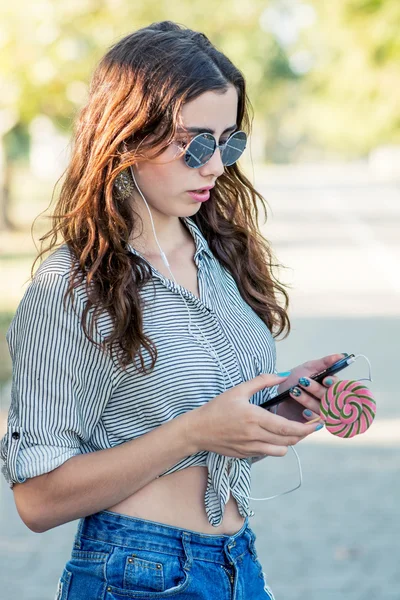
(202, 147)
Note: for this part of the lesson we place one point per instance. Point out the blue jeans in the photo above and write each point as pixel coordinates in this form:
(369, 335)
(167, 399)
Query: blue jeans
(116, 557)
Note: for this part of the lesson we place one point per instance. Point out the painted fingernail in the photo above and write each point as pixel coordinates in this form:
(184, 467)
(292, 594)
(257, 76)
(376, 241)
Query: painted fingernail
(319, 426)
(304, 381)
(328, 381)
(285, 374)
(295, 391)
(308, 413)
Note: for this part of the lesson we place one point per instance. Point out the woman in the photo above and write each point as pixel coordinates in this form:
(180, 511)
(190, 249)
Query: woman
(144, 344)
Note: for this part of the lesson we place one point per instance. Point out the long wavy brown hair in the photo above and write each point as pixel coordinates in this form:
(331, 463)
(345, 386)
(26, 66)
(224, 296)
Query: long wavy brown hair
(137, 91)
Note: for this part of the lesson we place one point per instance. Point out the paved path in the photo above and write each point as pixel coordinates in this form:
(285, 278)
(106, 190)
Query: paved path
(336, 537)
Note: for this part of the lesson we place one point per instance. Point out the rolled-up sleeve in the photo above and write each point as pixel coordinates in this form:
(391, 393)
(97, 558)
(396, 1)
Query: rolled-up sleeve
(61, 382)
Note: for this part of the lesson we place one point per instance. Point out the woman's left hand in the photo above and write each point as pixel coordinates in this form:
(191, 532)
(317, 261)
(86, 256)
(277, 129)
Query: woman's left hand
(311, 392)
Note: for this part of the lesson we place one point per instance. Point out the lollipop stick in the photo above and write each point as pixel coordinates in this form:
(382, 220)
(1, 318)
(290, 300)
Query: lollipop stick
(314, 420)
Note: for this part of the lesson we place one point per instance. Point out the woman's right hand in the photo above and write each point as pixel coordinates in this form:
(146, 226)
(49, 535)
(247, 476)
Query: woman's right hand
(230, 425)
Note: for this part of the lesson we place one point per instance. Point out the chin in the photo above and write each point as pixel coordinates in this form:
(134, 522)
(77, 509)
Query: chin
(195, 209)
(190, 211)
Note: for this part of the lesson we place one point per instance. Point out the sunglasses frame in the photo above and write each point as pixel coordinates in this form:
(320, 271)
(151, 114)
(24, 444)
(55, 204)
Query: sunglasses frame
(216, 145)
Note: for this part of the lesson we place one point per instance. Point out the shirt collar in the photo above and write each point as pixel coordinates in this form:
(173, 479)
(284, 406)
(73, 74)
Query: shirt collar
(200, 241)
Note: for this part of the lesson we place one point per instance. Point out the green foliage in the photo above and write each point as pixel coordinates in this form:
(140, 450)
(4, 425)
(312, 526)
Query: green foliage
(347, 102)
(17, 142)
(365, 6)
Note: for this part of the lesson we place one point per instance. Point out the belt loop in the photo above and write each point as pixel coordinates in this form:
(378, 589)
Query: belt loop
(186, 537)
(77, 541)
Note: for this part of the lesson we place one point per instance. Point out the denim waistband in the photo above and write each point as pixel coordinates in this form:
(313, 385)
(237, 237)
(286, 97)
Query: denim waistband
(125, 531)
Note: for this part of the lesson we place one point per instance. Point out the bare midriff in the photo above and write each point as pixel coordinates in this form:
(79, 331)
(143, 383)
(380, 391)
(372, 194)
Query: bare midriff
(177, 499)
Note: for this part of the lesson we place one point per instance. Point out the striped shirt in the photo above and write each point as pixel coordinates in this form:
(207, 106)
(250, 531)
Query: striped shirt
(69, 397)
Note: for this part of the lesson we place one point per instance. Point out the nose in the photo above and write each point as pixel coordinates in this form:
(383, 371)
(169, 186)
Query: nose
(214, 167)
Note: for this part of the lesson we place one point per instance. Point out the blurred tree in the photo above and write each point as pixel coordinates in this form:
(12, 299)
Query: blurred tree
(49, 50)
(352, 95)
(321, 74)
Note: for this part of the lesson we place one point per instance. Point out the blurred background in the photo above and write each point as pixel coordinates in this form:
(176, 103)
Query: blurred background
(324, 81)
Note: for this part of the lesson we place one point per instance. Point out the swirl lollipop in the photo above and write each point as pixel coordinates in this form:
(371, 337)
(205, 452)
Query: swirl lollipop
(348, 408)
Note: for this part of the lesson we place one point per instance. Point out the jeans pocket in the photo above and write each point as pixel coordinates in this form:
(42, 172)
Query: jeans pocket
(63, 585)
(140, 573)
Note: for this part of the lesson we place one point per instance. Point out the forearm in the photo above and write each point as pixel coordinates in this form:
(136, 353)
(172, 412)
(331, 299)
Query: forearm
(89, 483)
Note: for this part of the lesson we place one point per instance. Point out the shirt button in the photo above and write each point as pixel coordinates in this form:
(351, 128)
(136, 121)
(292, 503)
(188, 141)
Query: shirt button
(15, 435)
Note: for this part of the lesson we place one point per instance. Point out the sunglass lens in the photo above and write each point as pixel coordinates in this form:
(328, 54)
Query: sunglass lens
(200, 150)
(234, 148)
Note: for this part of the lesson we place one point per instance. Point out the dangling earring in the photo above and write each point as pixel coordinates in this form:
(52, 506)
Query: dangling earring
(124, 185)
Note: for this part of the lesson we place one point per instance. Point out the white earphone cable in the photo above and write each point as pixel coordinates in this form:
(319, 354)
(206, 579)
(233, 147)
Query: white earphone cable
(208, 347)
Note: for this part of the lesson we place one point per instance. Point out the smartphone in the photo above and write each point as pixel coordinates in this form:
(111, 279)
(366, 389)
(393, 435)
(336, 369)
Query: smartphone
(319, 377)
